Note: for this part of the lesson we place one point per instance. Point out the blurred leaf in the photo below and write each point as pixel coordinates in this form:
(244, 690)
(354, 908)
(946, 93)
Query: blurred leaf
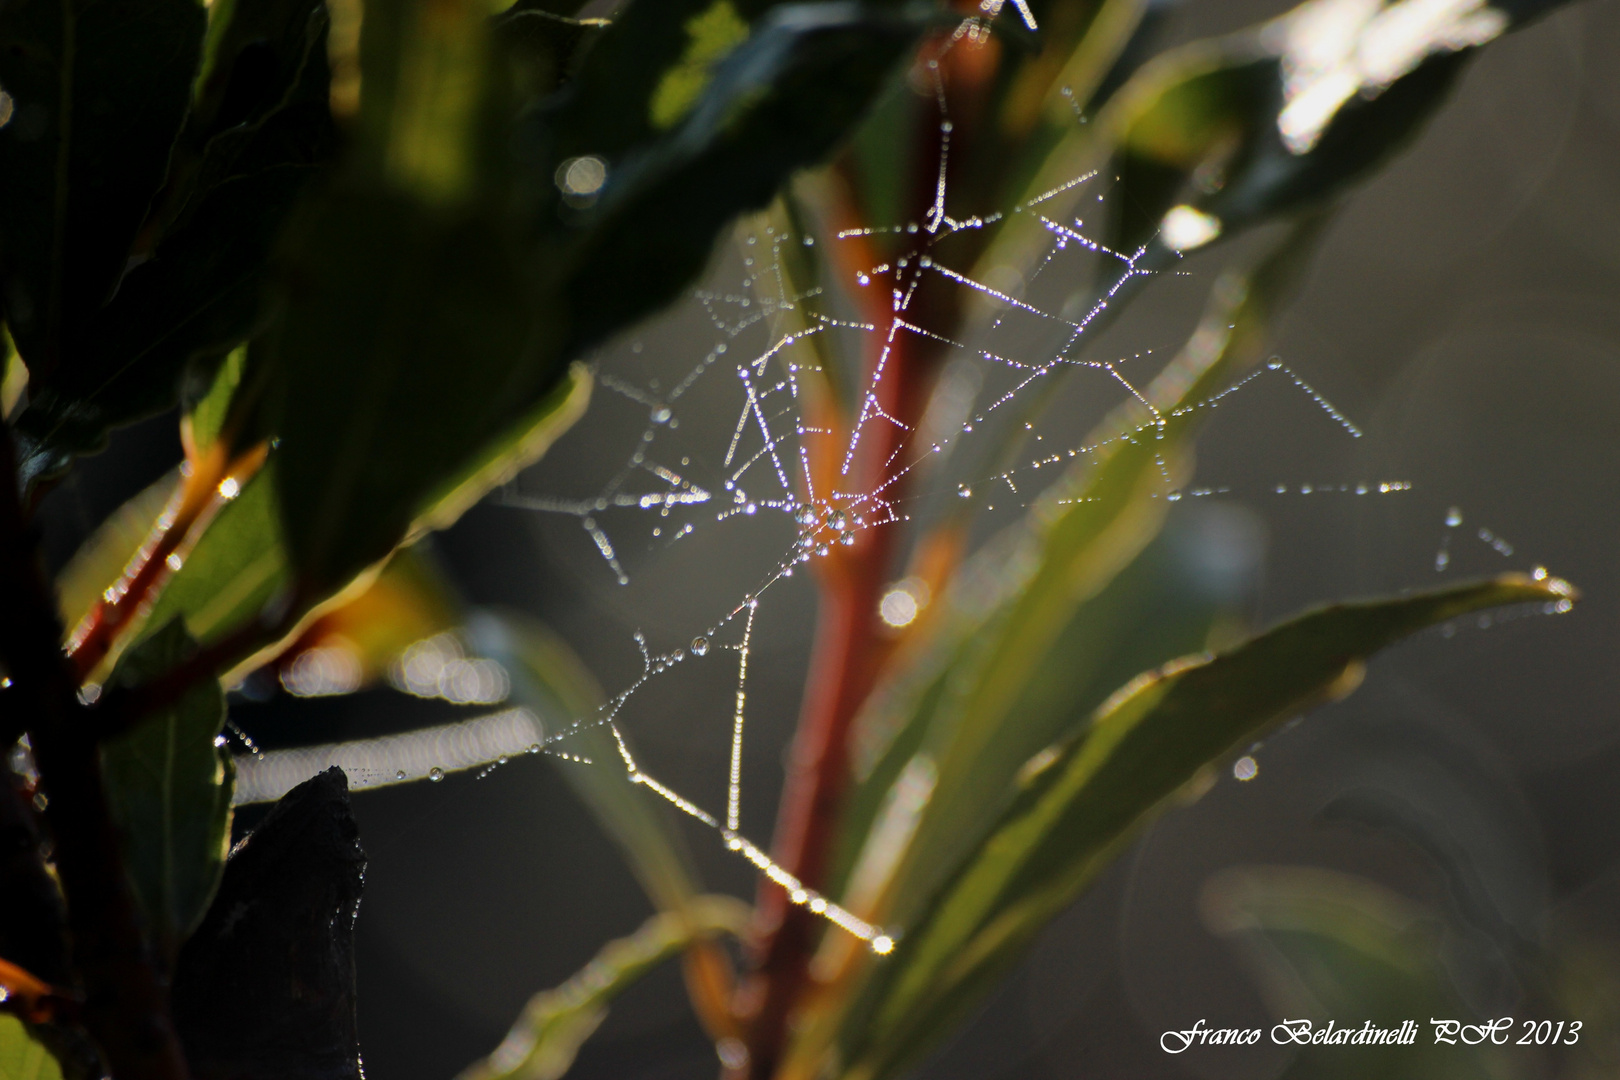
(781, 100)
(22, 1057)
(1083, 798)
(407, 602)
(13, 375)
(1329, 946)
(550, 679)
(98, 93)
(169, 787)
(500, 461)
(411, 337)
(993, 674)
(200, 292)
(1220, 135)
(265, 988)
(544, 1041)
(1159, 607)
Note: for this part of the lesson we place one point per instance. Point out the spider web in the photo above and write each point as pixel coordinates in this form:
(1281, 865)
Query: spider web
(761, 466)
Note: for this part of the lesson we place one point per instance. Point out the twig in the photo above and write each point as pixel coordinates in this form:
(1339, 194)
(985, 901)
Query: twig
(126, 1001)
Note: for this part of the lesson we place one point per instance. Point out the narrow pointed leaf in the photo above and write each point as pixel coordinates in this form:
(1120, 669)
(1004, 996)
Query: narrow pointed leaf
(1081, 799)
(547, 1037)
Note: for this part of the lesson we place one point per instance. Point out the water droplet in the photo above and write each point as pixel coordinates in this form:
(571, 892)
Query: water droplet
(501, 760)
(964, 491)
(821, 549)
(534, 748)
(1539, 573)
(847, 539)
(400, 775)
(700, 646)
(838, 521)
(435, 774)
(805, 516)
(1453, 518)
(1245, 768)
(660, 415)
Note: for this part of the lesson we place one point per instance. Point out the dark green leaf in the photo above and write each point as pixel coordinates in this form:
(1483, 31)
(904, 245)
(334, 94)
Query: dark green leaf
(201, 291)
(1219, 136)
(265, 988)
(1081, 799)
(780, 101)
(97, 91)
(410, 338)
(543, 1043)
(170, 791)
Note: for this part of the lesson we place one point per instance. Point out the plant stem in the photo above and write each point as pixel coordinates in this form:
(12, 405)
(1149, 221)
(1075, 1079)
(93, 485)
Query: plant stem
(126, 1008)
(181, 523)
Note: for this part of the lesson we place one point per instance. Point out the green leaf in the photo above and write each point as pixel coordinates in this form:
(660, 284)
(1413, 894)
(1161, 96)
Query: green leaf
(1218, 136)
(550, 679)
(780, 101)
(97, 95)
(236, 569)
(1330, 946)
(200, 293)
(413, 335)
(1083, 798)
(169, 787)
(995, 674)
(544, 1041)
(22, 1057)
(500, 461)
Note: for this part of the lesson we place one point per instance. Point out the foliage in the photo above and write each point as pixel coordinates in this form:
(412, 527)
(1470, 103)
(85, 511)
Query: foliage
(364, 248)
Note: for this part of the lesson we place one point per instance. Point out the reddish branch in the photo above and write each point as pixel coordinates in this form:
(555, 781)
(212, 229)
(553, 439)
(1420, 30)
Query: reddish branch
(852, 645)
(206, 479)
(125, 998)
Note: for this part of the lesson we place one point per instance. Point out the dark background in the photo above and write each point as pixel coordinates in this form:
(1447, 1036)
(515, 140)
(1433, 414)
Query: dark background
(1465, 312)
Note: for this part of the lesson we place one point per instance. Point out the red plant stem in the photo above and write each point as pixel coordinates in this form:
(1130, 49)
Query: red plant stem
(852, 645)
(126, 1008)
(850, 650)
(182, 521)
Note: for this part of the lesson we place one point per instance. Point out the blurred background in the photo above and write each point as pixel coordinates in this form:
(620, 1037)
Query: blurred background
(1464, 313)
